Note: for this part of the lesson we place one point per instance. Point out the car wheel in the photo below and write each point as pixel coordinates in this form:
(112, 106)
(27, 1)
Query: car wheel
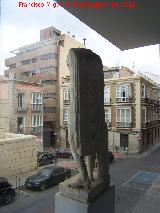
(43, 187)
(9, 199)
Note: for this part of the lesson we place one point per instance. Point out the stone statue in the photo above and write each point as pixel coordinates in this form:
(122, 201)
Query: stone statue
(87, 131)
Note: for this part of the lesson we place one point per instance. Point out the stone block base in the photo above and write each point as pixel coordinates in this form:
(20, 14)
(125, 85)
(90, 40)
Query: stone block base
(104, 203)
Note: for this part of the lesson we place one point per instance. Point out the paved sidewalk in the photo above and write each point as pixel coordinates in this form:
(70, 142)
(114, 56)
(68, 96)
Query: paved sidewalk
(145, 153)
(19, 180)
(119, 155)
(151, 201)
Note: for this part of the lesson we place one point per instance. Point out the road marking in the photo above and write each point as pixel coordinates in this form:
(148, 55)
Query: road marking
(125, 183)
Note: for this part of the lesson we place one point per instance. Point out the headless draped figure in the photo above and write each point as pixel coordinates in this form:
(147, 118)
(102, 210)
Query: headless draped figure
(87, 131)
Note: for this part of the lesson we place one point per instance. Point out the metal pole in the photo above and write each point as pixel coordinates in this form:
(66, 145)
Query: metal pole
(113, 141)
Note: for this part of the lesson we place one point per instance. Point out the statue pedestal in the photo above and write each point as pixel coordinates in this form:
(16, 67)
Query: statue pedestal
(98, 199)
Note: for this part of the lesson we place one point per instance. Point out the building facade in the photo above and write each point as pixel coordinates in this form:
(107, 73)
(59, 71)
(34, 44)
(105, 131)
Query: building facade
(131, 106)
(22, 104)
(4, 110)
(66, 42)
(45, 62)
(131, 110)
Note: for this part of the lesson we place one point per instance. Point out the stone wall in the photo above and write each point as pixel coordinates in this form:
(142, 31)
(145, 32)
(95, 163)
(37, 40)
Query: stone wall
(18, 154)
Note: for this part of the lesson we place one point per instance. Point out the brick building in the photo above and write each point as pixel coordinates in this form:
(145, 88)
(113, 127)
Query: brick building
(45, 62)
(22, 107)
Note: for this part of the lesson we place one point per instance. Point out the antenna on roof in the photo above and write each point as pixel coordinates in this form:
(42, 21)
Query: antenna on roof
(84, 41)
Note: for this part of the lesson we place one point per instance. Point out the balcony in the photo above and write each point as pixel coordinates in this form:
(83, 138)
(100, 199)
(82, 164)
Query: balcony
(124, 100)
(123, 124)
(156, 103)
(145, 100)
(37, 108)
(66, 102)
(149, 124)
(108, 124)
(37, 129)
(107, 102)
(65, 123)
(22, 109)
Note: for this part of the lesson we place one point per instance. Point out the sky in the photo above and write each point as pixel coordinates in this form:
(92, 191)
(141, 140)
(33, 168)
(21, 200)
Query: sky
(21, 26)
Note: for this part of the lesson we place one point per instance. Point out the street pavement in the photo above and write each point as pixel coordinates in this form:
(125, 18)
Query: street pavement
(126, 172)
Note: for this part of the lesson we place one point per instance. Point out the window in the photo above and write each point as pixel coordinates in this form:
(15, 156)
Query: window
(51, 70)
(29, 61)
(48, 82)
(20, 100)
(123, 92)
(25, 62)
(148, 91)
(148, 114)
(49, 95)
(123, 117)
(36, 100)
(65, 116)
(37, 123)
(49, 109)
(29, 73)
(108, 75)
(143, 91)
(106, 116)
(144, 114)
(106, 94)
(48, 56)
(66, 94)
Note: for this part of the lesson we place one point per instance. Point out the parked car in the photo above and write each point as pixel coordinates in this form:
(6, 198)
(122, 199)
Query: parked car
(45, 158)
(47, 177)
(64, 153)
(111, 156)
(7, 191)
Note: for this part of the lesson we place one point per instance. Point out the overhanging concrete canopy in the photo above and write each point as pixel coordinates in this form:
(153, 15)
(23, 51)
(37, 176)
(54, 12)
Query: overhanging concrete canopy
(126, 28)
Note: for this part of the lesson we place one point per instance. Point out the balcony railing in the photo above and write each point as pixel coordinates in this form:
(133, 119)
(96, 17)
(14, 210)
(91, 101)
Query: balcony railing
(145, 100)
(37, 129)
(65, 123)
(148, 100)
(149, 124)
(22, 109)
(123, 124)
(37, 107)
(66, 101)
(107, 102)
(124, 99)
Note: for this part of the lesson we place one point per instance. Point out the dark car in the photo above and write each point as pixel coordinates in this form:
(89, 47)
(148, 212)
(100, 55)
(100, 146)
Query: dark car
(47, 177)
(111, 156)
(64, 153)
(45, 158)
(7, 191)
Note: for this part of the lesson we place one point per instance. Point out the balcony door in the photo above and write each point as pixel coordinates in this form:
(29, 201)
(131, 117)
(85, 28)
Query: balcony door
(124, 140)
(20, 124)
